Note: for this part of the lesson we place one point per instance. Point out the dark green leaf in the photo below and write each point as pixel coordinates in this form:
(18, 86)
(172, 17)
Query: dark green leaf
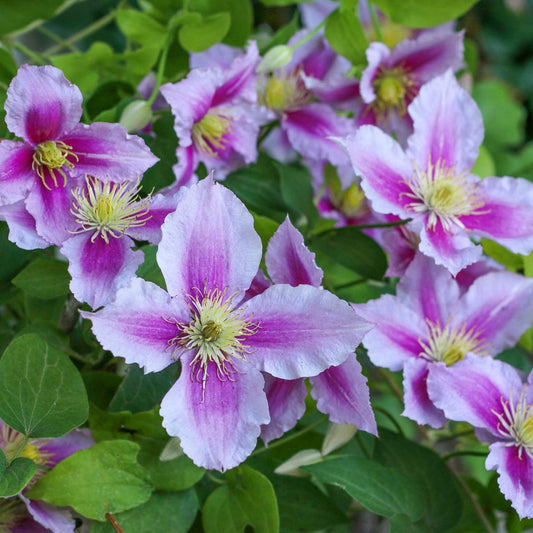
(42, 391)
(44, 278)
(16, 476)
(420, 13)
(164, 512)
(248, 499)
(198, 34)
(352, 249)
(382, 490)
(242, 17)
(140, 392)
(8, 67)
(14, 18)
(346, 36)
(105, 478)
(13, 258)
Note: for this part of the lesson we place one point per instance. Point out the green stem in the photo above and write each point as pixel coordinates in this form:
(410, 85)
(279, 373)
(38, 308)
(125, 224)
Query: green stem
(456, 435)
(391, 418)
(375, 22)
(284, 440)
(395, 389)
(309, 36)
(59, 40)
(215, 479)
(349, 284)
(363, 446)
(460, 453)
(40, 59)
(160, 70)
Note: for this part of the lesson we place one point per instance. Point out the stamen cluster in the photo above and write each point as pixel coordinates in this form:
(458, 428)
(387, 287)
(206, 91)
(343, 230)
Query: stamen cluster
(210, 134)
(53, 155)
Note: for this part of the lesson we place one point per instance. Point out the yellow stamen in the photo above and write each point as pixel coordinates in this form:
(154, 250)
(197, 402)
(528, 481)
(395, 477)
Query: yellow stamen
(209, 134)
(53, 156)
(394, 88)
(283, 91)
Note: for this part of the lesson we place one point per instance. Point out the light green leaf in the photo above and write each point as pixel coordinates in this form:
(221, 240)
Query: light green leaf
(164, 512)
(484, 164)
(198, 34)
(421, 13)
(42, 391)
(16, 476)
(105, 478)
(141, 28)
(248, 499)
(346, 36)
(44, 278)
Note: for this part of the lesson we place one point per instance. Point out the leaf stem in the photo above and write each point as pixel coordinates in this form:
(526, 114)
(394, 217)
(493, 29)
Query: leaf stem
(160, 70)
(113, 521)
(391, 418)
(459, 453)
(284, 440)
(375, 22)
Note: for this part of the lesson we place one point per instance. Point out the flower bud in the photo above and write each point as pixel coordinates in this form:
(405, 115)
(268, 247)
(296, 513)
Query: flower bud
(337, 435)
(304, 457)
(275, 58)
(136, 115)
(172, 450)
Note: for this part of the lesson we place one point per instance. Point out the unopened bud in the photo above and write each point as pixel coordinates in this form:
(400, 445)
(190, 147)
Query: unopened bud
(337, 435)
(291, 466)
(172, 450)
(136, 115)
(275, 58)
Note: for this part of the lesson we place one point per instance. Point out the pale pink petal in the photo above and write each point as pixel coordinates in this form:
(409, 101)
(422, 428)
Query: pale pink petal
(55, 519)
(448, 126)
(209, 242)
(288, 260)
(16, 174)
(418, 406)
(286, 404)
(342, 393)
(218, 424)
(377, 55)
(107, 151)
(22, 227)
(277, 145)
(139, 324)
(42, 104)
(219, 55)
(303, 330)
(99, 269)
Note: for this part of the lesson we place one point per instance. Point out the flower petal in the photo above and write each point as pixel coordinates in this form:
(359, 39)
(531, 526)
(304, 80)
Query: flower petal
(472, 390)
(56, 519)
(516, 476)
(16, 174)
(209, 242)
(286, 405)
(507, 216)
(384, 167)
(99, 269)
(42, 104)
(303, 330)
(22, 227)
(418, 406)
(136, 325)
(289, 261)
(342, 393)
(395, 337)
(217, 426)
(107, 151)
(448, 127)
(65, 446)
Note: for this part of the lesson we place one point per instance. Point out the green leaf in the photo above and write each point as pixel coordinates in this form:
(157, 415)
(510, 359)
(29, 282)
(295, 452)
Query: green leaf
(8, 67)
(140, 392)
(277, 3)
(164, 512)
(303, 507)
(503, 116)
(14, 18)
(345, 34)
(420, 13)
(198, 34)
(105, 478)
(441, 501)
(352, 249)
(382, 490)
(13, 258)
(44, 278)
(141, 28)
(16, 476)
(484, 165)
(242, 17)
(42, 391)
(511, 261)
(248, 499)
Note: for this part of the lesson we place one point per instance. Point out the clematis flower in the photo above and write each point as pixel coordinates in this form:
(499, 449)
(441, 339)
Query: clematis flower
(392, 79)
(430, 183)
(44, 108)
(209, 254)
(108, 217)
(216, 119)
(340, 391)
(21, 515)
(431, 322)
(492, 396)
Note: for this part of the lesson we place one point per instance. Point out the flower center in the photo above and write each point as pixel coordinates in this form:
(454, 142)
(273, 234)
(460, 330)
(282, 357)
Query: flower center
(216, 332)
(52, 155)
(516, 423)
(450, 343)
(12, 513)
(394, 88)
(109, 209)
(283, 91)
(210, 135)
(444, 195)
